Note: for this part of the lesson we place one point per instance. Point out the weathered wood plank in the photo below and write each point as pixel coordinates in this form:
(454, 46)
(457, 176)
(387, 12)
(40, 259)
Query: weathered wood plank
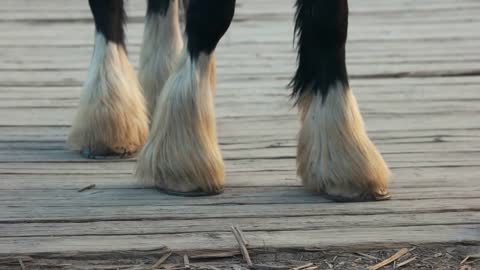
(224, 241)
(149, 227)
(266, 148)
(275, 119)
(187, 211)
(26, 176)
(230, 135)
(266, 160)
(425, 125)
(41, 200)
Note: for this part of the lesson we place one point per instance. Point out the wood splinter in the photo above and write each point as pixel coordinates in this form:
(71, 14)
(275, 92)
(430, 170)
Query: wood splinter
(406, 262)
(21, 263)
(476, 256)
(186, 261)
(242, 236)
(269, 267)
(303, 266)
(161, 260)
(388, 261)
(92, 186)
(371, 257)
(242, 243)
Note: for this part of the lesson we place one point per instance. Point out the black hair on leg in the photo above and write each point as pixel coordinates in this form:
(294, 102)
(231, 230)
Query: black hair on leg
(158, 6)
(109, 17)
(321, 29)
(207, 22)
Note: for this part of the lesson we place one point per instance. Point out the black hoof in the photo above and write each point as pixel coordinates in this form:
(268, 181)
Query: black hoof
(364, 197)
(105, 153)
(195, 193)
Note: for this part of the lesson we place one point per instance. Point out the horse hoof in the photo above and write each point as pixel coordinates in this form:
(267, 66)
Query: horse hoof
(195, 193)
(382, 195)
(105, 153)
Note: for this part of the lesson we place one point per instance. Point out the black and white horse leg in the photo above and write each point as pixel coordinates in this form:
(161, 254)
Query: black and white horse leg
(335, 156)
(162, 45)
(182, 156)
(111, 118)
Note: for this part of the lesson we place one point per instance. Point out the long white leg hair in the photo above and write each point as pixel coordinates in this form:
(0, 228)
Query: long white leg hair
(335, 156)
(182, 155)
(111, 118)
(162, 45)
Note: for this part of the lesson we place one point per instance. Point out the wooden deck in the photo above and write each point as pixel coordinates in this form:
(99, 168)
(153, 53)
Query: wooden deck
(415, 69)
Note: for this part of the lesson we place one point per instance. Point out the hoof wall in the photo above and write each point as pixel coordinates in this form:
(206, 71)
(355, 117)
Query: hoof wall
(195, 193)
(364, 197)
(105, 153)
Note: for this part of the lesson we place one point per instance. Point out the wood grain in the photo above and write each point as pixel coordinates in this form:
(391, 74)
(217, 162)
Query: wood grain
(415, 70)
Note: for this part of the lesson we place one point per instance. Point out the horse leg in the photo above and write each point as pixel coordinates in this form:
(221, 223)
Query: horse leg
(182, 156)
(162, 45)
(335, 156)
(111, 119)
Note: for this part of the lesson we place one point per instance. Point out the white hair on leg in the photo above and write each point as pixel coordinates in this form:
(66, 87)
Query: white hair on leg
(182, 152)
(335, 155)
(162, 45)
(111, 117)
